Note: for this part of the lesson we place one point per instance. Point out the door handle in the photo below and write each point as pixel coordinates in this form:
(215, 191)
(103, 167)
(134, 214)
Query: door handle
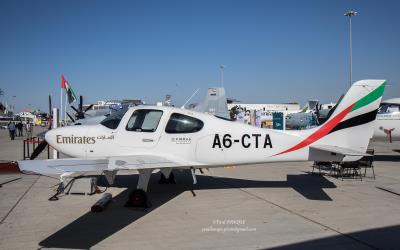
(147, 140)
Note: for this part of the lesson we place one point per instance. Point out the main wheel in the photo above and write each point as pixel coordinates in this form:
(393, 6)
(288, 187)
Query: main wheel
(138, 198)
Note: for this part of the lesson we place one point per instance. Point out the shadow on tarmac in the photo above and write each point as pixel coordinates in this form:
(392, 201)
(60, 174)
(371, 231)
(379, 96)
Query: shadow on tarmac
(91, 228)
(386, 157)
(377, 238)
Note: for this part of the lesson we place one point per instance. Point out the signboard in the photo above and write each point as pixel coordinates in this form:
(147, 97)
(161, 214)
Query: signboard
(277, 120)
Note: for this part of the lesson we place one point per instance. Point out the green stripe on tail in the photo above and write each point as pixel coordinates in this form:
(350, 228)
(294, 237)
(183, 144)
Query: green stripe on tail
(377, 93)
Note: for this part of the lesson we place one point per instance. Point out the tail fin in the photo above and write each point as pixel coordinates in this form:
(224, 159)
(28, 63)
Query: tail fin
(215, 103)
(351, 124)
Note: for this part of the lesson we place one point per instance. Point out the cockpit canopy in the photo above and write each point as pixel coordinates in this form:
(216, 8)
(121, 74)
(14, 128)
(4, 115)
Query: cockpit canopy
(112, 121)
(147, 120)
(144, 120)
(388, 108)
(180, 123)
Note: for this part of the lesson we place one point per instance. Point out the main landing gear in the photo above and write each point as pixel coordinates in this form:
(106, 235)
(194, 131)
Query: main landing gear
(138, 197)
(167, 177)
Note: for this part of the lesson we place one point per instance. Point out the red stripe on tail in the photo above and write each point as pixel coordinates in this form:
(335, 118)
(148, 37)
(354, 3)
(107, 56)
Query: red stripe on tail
(324, 130)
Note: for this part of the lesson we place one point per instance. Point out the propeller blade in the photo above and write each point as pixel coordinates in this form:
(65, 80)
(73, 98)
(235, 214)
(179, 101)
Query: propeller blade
(76, 110)
(88, 108)
(50, 105)
(80, 103)
(70, 117)
(38, 150)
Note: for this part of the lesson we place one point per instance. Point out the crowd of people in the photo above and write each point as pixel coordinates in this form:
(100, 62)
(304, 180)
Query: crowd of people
(17, 129)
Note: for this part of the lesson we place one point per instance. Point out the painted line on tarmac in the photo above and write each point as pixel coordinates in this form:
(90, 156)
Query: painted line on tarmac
(15, 179)
(20, 198)
(388, 190)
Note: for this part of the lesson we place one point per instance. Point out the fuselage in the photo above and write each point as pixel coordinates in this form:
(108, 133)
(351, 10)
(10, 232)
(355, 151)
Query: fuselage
(190, 138)
(388, 120)
(198, 138)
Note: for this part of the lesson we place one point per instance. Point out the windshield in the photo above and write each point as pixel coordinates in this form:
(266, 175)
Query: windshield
(112, 121)
(145, 120)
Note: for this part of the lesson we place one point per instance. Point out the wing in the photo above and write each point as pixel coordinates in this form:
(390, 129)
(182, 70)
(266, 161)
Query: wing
(332, 153)
(134, 162)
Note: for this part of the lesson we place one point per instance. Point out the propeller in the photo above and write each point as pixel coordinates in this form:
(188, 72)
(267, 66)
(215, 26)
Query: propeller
(79, 112)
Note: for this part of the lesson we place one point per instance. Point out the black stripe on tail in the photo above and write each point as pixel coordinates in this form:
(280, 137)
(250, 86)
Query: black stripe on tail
(356, 121)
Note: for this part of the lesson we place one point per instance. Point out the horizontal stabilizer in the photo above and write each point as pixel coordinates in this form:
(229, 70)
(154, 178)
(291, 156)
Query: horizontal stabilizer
(333, 153)
(339, 150)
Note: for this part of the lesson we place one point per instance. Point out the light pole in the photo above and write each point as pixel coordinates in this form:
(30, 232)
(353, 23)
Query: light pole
(222, 74)
(349, 14)
(14, 97)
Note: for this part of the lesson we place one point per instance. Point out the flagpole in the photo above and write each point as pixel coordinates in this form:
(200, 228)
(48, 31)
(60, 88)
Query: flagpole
(65, 107)
(61, 104)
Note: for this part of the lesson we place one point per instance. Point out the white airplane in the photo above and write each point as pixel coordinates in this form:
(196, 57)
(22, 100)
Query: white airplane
(388, 120)
(26, 115)
(147, 138)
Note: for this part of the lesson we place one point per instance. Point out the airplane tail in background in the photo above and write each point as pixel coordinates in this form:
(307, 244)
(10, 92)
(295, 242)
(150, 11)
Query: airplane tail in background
(215, 103)
(350, 127)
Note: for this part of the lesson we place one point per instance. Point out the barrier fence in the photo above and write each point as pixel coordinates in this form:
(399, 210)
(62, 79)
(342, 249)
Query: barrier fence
(30, 145)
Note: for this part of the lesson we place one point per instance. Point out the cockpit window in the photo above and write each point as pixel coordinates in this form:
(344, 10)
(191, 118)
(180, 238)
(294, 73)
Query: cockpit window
(387, 108)
(179, 124)
(112, 121)
(144, 120)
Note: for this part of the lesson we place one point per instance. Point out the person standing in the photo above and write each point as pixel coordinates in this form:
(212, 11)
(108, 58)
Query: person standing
(11, 130)
(28, 129)
(19, 127)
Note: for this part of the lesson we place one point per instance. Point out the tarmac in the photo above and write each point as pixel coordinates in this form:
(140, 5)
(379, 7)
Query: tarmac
(266, 206)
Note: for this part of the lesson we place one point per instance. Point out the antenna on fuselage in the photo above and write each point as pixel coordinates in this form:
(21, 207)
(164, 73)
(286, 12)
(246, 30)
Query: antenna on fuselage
(197, 90)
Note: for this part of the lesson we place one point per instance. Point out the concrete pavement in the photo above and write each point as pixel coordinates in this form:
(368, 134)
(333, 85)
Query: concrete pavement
(278, 206)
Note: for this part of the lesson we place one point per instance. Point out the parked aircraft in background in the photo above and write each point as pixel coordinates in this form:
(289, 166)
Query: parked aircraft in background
(307, 118)
(215, 103)
(146, 138)
(312, 115)
(26, 115)
(387, 123)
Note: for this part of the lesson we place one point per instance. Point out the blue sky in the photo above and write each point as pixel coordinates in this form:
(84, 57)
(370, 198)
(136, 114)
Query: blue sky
(274, 51)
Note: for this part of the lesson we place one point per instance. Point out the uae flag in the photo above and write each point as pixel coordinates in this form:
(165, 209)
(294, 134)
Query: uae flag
(70, 92)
